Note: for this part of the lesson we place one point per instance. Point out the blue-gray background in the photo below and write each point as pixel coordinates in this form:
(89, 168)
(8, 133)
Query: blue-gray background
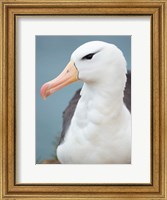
(52, 55)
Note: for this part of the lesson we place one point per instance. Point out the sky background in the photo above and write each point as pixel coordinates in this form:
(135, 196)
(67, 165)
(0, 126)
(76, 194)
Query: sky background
(52, 55)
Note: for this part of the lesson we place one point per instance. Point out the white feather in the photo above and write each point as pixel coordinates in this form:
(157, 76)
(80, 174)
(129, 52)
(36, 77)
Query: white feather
(100, 130)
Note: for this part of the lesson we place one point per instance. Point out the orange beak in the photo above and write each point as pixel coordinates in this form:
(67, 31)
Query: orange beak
(67, 76)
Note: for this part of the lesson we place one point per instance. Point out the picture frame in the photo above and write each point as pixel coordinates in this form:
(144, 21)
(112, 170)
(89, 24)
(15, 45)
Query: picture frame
(158, 186)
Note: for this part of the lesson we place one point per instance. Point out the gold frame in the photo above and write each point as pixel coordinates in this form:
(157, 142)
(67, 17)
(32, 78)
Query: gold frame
(158, 186)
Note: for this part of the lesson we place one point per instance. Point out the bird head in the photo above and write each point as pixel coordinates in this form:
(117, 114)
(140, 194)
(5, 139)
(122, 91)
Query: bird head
(94, 62)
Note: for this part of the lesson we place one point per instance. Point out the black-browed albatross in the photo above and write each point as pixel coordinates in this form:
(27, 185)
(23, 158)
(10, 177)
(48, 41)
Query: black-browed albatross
(98, 130)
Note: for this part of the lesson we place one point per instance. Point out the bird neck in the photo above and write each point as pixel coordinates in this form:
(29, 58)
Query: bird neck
(99, 110)
(99, 105)
(106, 101)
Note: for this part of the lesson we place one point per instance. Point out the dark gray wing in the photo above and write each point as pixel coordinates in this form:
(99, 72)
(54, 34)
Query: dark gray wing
(69, 111)
(127, 92)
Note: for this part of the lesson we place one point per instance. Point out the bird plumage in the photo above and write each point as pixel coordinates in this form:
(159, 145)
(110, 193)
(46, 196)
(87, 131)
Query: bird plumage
(99, 129)
(70, 109)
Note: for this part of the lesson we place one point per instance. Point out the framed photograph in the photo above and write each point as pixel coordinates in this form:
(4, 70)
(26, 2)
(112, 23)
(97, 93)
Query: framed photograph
(83, 97)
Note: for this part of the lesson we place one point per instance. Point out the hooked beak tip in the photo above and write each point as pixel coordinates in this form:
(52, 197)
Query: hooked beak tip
(43, 91)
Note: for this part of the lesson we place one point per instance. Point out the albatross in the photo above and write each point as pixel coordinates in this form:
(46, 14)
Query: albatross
(99, 130)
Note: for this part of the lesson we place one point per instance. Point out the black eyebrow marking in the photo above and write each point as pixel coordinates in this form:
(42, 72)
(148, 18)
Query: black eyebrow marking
(90, 55)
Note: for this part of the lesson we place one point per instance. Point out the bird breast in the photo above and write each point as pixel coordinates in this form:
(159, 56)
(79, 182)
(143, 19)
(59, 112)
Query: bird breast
(98, 133)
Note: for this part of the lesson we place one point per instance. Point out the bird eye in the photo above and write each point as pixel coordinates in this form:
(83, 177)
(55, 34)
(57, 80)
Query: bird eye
(88, 57)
